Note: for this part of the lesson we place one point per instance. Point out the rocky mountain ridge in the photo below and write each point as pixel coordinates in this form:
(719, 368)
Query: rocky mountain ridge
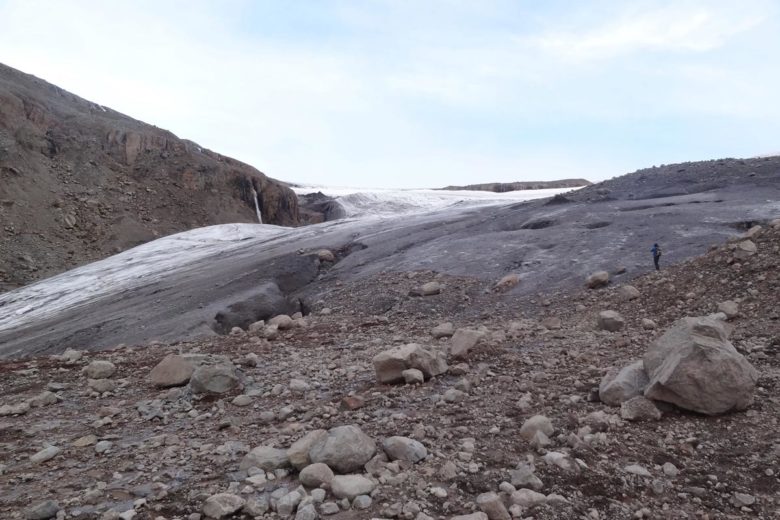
(79, 181)
(502, 187)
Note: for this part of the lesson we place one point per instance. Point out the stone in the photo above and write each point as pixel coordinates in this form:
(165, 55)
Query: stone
(463, 341)
(42, 511)
(299, 386)
(621, 385)
(222, 505)
(282, 322)
(611, 321)
(103, 446)
(265, 458)
(670, 470)
(527, 498)
(444, 330)
(404, 448)
(507, 282)
(344, 449)
(256, 327)
(100, 369)
(551, 323)
(325, 255)
(362, 502)
(636, 469)
(306, 512)
(329, 508)
(45, 398)
(742, 499)
(173, 370)
(694, 366)
(315, 475)
(745, 249)
(351, 486)
(730, 308)
(412, 376)
(597, 279)
(86, 440)
(15, 409)
(256, 506)
(286, 505)
(492, 506)
(534, 424)
(473, 516)
(214, 379)
(430, 289)
(648, 324)
(71, 356)
(523, 477)
(298, 452)
(101, 385)
(639, 408)
(45, 454)
(390, 364)
(453, 395)
(628, 292)
(242, 400)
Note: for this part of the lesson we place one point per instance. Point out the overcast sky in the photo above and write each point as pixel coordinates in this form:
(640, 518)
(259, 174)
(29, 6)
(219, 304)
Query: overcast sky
(423, 93)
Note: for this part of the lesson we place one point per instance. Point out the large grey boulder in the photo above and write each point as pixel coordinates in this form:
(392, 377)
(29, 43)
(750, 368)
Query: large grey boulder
(344, 449)
(390, 364)
(214, 379)
(173, 370)
(265, 458)
(694, 366)
(619, 386)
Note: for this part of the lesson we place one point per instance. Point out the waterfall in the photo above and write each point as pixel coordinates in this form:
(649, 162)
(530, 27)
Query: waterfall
(257, 206)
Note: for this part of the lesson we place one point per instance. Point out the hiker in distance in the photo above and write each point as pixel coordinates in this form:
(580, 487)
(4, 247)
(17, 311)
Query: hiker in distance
(656, 250)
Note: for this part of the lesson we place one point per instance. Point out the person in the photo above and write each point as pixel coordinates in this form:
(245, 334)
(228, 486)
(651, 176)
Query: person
(656, 250)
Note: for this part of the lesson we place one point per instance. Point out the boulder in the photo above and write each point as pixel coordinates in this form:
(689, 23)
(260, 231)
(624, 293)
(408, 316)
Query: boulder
(597, 279)
(445, 330)
(214, 379)
(298, 452)
(173, 370)
(611, 321)
(315, 475)
(463, 341)
(390, 364)
(730, 308)
(265, 458)
(621, 385)
(507, 282)
(42, 511)
(552, 323)
(325, 255)
(639, 408)
(344, 449)
(282, 322)
(404, 448)
(351, 486)
(694, 366)
(100, 369)
(430, 289)
(491, 504)
(222, 505)
(628, 292)
(537, 423)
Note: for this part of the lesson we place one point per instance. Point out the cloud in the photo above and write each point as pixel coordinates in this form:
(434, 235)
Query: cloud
(670, 27)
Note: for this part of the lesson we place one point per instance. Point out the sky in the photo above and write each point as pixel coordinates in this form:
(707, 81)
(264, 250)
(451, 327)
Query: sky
(422, 93)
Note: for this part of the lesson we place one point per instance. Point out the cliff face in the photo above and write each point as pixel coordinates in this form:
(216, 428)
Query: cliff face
(79, 182)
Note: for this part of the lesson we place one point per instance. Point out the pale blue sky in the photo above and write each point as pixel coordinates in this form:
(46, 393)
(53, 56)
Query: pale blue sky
(423, 93)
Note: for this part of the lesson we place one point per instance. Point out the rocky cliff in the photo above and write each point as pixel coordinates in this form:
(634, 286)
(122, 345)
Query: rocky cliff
(79, 181)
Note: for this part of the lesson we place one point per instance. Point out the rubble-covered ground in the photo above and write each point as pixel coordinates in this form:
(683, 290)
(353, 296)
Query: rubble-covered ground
(139, 451)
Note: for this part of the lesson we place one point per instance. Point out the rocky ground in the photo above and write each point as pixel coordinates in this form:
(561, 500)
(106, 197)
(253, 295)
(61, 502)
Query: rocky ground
(513, 427)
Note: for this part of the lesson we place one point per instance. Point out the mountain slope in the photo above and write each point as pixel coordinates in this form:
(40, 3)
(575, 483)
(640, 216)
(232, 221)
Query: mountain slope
(79, 182)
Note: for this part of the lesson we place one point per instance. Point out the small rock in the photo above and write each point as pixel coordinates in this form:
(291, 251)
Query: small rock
(597, 279)
(101, 385)
(492, 506)
(362, 502)
(329, 508)
(628, 292)
(343, 449)
(222, 505)
(445, 330)
(216, 379)
(552, 323)
(742, 499)
(463, 341)
(430, 289)
(412, 376)
(173, 370)
(103, 446)
(507, 282)
(351, 486)
(242, 400)
(314, 475)
(325, 255)
(636, 469)
(730, 308)
(611, 321)
(283, 322)
(527, 498)
(265, 458)
(45, 398)
(639, 408)
(404, 448)
(298, 452)
(534, 424)
(42, 511)
(648, 324)
(45, 454)
(100, 369)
